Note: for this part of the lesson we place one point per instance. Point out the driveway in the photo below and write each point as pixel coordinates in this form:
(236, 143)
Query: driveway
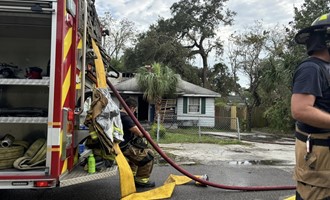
(262, 160)
(258, 148)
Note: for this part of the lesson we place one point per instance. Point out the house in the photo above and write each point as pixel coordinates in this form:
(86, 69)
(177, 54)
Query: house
(193, 105)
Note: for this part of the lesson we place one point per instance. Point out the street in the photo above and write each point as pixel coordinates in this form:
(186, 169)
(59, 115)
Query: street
(255, 164)
(226, 174)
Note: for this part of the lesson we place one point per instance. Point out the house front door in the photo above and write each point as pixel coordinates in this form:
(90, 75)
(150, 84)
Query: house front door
(143, 109)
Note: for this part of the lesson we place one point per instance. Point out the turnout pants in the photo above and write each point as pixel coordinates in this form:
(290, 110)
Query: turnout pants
(312, 170)
(141, 162)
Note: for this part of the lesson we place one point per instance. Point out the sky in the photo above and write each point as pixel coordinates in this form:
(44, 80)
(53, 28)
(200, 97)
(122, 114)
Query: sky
(146, 12)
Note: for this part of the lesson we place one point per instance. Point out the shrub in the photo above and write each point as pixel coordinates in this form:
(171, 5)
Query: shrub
(162, 130)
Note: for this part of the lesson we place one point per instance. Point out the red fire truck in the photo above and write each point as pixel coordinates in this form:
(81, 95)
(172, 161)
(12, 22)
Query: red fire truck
(45, 47)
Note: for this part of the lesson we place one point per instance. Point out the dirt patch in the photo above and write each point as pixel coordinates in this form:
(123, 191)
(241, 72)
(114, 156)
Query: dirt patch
(211, 153)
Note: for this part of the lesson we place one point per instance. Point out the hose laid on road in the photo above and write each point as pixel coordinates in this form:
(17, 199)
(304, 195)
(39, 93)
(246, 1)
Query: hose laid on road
(183, 171)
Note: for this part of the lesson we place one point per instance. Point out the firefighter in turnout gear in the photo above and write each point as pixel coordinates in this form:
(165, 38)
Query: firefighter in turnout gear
(310, 107)
(135, 148)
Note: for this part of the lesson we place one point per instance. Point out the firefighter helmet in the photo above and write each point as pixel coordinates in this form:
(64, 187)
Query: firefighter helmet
(321, 24)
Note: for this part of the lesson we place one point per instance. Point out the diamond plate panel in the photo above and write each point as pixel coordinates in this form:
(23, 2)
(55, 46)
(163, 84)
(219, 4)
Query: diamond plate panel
(35, 82)
(32, 120)
(78, 175)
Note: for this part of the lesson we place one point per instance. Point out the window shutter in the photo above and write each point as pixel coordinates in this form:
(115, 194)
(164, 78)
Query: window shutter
(203, 105)
(185, 104)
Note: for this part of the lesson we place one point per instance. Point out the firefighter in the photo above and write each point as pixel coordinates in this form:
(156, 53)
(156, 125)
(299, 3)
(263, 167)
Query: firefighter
(310, 107)
(135, 148)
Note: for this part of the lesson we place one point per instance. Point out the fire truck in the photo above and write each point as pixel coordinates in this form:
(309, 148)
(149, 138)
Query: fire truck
(49, 42)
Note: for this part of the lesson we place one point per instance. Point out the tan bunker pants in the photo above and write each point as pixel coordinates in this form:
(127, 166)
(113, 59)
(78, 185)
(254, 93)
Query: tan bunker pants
(140, 161)
(312, 171)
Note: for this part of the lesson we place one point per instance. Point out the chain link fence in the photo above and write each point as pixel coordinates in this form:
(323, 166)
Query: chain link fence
(200, 125)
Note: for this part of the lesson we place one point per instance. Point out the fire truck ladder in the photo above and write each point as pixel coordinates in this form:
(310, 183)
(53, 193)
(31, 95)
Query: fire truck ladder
(79, 175)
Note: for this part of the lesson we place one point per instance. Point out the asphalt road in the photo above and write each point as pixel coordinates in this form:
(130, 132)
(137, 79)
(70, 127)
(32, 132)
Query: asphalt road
(226, 174)
(257, 164)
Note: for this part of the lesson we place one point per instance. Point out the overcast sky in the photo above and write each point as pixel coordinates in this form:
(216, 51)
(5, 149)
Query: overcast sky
(146, 12)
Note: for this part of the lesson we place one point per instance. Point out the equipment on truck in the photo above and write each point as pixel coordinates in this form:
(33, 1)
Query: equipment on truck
(34, 157)
(8, 71)
(45, 108)
(33, 73)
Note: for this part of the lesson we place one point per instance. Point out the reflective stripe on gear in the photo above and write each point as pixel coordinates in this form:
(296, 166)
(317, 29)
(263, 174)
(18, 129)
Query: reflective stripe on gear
(141, 180)
(93, 135)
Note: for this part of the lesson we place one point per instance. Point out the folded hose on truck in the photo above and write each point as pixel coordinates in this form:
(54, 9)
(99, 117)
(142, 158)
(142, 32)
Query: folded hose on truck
(10, 150)
(34, 157)
(7, 140)
(9, 154)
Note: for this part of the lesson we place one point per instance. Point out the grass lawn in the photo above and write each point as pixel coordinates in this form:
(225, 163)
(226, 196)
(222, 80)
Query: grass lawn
(188, 137)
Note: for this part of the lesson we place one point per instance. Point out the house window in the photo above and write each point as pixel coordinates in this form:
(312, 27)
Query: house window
(193, 105)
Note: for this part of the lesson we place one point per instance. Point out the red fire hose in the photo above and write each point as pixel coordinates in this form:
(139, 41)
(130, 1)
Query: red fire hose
(183, 171)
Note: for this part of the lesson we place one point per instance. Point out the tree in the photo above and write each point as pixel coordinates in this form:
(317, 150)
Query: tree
(303, 17)
(196, 23)
(282, 58)
(308, 12)
(121, 33)
(157, 81)
(250, 51)
(221, 80)
(156, 46)
(282, 61)
(275, 85)
(160, 45)
(117, 64)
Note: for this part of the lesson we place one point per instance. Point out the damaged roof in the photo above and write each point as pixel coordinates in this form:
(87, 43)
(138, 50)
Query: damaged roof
(184, 88)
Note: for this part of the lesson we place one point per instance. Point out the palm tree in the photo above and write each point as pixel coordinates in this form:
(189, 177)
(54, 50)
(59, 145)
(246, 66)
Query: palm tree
(156, 81)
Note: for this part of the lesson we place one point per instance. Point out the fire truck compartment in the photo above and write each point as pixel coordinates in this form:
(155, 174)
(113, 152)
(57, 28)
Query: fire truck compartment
(25, 41)
(25, 38)
(37, 93)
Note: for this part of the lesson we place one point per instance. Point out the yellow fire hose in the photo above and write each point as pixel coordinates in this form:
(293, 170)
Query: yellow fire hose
(127, 185)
